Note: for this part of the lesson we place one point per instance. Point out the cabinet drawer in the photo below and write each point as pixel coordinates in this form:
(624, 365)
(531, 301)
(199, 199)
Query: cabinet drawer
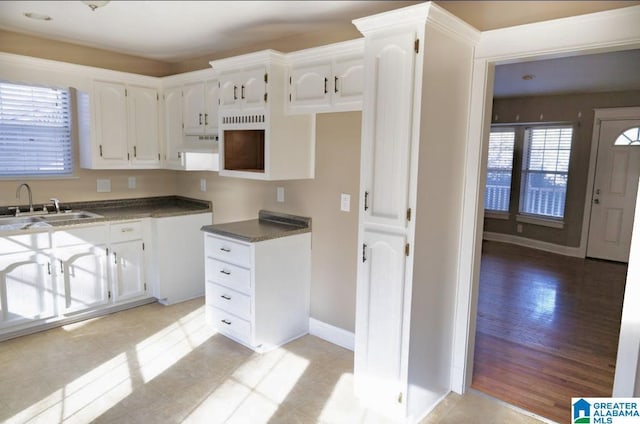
(125, 231)
(228, 300)
(228, 250)
(229, 324)
(228, 275)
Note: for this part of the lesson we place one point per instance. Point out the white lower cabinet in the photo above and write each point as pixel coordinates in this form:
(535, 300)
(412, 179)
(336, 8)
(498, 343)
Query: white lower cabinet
(177, 271)
(127, 260)
(27, 292)
(81, 268)
(258, 293)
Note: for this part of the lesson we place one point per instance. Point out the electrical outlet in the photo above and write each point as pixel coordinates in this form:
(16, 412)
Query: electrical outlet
(132, 182)
(203, 185)
(519, 228)
(280, 194)
(103, 186)
(345, 202)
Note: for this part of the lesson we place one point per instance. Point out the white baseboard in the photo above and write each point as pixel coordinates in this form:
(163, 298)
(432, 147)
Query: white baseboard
(534, 244)
(332, 334)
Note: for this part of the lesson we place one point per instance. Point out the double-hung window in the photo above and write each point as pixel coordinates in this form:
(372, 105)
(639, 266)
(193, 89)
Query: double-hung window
(499, 169)
(35, 131)
(545, 169)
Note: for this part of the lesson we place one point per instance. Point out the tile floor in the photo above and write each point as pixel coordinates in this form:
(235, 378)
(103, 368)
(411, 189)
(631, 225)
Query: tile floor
(159, 364)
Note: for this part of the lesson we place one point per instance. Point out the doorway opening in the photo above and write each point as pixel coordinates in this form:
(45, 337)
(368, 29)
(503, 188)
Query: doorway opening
(548, 322)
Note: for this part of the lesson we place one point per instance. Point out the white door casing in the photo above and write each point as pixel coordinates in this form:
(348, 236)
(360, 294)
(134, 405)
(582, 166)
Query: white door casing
(614, 193)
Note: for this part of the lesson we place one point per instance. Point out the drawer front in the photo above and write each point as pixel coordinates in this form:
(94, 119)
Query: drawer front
(229, 324)
(228, 250)
(228, 300)
(125, 231)
(232, 276)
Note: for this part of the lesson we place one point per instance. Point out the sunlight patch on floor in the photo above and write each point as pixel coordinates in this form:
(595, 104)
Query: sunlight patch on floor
(254, 392)
(165, 348)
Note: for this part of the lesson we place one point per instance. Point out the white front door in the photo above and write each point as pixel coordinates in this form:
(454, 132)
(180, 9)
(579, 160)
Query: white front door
(614, 192)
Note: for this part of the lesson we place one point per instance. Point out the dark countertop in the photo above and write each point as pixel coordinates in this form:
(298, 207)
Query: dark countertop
(122, 209)
(269, 225)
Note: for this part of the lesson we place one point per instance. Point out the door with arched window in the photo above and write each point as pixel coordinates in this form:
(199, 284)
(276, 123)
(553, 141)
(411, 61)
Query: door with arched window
(615, 189)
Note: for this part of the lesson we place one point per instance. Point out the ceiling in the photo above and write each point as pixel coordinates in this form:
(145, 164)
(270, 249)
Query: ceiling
(175, 31)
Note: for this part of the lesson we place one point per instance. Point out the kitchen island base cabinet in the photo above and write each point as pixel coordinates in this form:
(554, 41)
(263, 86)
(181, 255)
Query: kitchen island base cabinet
(258, 293)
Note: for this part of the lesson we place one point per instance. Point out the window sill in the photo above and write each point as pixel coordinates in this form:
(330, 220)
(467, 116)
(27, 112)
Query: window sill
(496, 215)
(39, 177)
(545, 222)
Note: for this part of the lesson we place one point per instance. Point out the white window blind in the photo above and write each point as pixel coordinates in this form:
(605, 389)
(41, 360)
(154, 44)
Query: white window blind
(35, 131)
(545, 170)
(499, 169)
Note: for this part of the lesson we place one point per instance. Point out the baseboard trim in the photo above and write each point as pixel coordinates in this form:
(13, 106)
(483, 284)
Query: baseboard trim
(332, 334)
(534, 244)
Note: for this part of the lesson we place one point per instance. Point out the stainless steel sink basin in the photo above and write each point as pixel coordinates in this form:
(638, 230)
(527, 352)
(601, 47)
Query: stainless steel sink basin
(21, 223)
(12, 223)
(69, 216)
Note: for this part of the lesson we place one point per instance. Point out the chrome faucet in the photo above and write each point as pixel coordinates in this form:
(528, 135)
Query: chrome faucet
(56, 203)
(30, 195)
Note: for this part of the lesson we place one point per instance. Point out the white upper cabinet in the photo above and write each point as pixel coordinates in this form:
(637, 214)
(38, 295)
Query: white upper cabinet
(326, 79)
(172, 121)
(244, 88)
(385, 155)
(257, 139)
(119, 126)
(200, 107)
(144, 145)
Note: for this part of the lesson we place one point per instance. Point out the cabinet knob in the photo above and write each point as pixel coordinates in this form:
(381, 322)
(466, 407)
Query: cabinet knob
(200, 118)
(224, 321)
(225, 297)
(222, 271)
(325, 86)
(335, 84)
(225, 249)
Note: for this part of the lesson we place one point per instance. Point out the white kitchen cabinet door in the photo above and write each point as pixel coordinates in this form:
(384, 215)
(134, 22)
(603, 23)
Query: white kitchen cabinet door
(193, 108)
(229, 90)
(387, 130)
(144, 140)
(310, 85)
(82, 270)
(128, 274)
(26, 288)
(110, 123)
(173, 133)
(348, 83)
(211, 107)
(253, 88)
(379, 315)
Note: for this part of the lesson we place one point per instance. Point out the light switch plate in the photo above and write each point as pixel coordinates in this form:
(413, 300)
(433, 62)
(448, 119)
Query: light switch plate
(104, 185)
(203, 185)
(280, 194)
(345, 202)
(132, 182)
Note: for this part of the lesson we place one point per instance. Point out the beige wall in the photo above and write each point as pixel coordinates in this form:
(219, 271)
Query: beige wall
(334, 235)
(561, 108)
(13, 42)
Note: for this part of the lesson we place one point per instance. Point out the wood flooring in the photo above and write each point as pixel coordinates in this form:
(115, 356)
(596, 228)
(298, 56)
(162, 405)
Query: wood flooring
(547, 328)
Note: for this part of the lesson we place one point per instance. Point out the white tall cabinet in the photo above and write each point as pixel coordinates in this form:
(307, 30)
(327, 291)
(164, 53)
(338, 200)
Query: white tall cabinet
(417, 69)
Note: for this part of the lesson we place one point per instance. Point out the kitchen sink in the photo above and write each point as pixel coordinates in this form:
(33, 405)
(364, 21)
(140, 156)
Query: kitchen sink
(11, 223)
(69, 216)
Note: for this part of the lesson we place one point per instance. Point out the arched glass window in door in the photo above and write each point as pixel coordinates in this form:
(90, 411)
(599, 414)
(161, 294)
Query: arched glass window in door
(630, 137)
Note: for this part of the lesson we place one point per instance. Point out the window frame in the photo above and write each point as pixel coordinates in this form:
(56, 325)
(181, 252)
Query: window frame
(533, 218)
(57, 128)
